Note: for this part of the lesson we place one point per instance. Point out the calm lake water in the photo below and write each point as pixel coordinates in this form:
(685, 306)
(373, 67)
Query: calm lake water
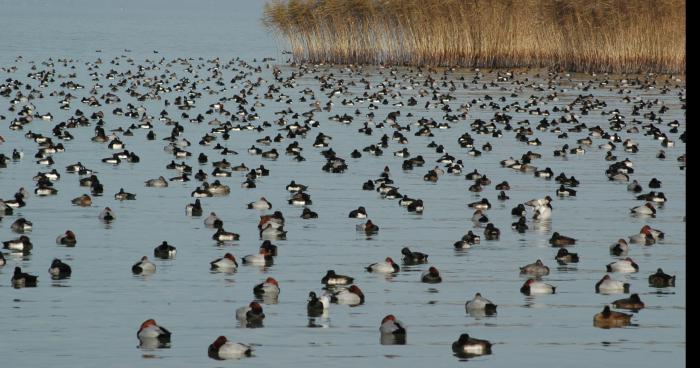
(92, 318)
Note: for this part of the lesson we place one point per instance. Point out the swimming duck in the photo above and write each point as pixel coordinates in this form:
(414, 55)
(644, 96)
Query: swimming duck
(416, 206)
(18, 202)
(564, 256)
(412, 258)
(532, 286)
(194, 209)
(660, 279)
(565, 192)
(626, 265)
(519, 211)
(543, 212)
(536, 269)
(251, 315)
(21, 279)
(59, 270)
(352, 296)
(294, 187)
(123, 196)
(21, 225)
(503, 186)
(431, 276)
(634, 186)
(619, 248)
(308, 214)
(144, 266)
(393, 327)
(520, 225)
(22, 244)
(225, 263)
(608, 318)
(469, 346)
(261, 204)
(633, 302)
(558, 240)
(315, 306)
(645, 236)
(483, 204)
(360, 212)
(164, 251)
(222, 349)
(479, 217)
(491, 232)
(157, 183)
(388, 266)
(67, 239)
(151, 334)
(269, 288)
(212, 220)
(607, 285)
(332, 278)
(263, 258)
(480, 304)
(645, 210)
(368, 227)
(653, 197)
(222, 235)
(654, 183)
(106, 215)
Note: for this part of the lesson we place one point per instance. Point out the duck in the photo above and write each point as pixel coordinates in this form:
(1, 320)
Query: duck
(352, 296)
(654, 197)
(532, 286)
(157, 183)
(144, 266)
(124, 196)
(59, 270)
(564, 256)
(194, 209)
(368, 227)
(416, 206)
(633, 303)
(619, 248)
(520, 225)
(412, 258)
(483, 204)
(308, 214)
(536, 269)
(431, 276)
(269, 288)
(634, 186)
(225, 263)
(519, 211)
(565, 192)
(21, 279)
(222, 235)
(67, 239)
(22, 244)
(607, 285)
(300, 199)
(252, 315)
(608, 318)
(3, 261)
(479, 217)
(503, 186)
(646, 209)
(469, 346)
(480, 304)
(660, 279)
(645, 236)
(272, 231)
(260, 204)
(263, 258)
(654, 183)
(18, 202)
(270, 248)
(491, 232)
(316, 306)
(360, 213)
(558, 240)
(626, 265)
(543, 212)
(387, 267)
(222, 349)
(164, 251)
(332, 279)
(392, 326)
(294, 187)
(212, 220)
(21, 225)
(107, 215)
(151, 334)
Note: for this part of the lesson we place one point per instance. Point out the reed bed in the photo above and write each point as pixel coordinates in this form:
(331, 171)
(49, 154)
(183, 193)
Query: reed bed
(619, 36)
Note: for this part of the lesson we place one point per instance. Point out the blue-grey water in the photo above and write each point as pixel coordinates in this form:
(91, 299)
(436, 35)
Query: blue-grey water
(91, 319)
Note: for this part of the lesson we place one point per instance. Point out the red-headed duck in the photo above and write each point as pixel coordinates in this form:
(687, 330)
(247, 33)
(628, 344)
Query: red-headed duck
(388, 266)
(222, 349)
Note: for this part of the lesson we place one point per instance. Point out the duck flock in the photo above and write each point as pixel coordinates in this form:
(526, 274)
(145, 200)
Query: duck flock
(280, 177)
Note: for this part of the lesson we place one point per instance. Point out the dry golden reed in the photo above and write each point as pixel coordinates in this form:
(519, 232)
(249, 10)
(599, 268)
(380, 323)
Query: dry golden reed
(575, 35)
